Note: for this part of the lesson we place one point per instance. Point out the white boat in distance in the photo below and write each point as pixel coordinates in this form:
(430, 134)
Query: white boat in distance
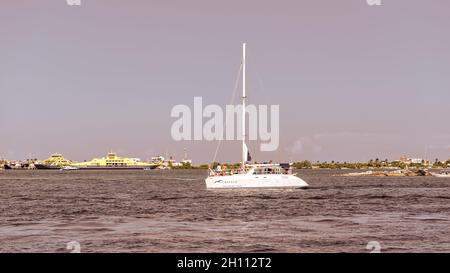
(252, 175)
(69, 168)
(441, 175)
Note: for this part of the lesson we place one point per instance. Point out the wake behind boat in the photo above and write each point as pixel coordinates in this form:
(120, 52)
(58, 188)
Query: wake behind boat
(252, 175)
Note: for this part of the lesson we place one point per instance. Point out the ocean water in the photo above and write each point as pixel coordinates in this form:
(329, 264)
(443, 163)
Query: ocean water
(171, 211)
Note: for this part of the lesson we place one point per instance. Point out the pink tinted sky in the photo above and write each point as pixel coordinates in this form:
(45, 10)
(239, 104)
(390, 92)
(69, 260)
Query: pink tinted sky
(353, 81)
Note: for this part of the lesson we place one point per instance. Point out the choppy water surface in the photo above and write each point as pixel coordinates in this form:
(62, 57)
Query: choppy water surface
(171, 211)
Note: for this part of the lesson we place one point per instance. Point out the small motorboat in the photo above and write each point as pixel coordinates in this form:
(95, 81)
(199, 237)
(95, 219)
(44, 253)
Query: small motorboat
(441, 175)
(69, 168)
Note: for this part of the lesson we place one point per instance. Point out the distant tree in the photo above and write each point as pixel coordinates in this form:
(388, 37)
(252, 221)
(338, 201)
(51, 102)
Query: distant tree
(186, 165)
(302, 165)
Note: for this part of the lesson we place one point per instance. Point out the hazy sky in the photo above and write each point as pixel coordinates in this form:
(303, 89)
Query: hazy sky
(353, 81)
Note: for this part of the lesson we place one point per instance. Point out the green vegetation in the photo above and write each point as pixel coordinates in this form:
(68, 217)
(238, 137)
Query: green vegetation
(187, 166)
(373, 163)
(439, 164)
(302, 165)
(305, 164)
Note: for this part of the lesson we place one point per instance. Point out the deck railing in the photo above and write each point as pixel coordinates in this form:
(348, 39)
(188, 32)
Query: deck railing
(264, 171)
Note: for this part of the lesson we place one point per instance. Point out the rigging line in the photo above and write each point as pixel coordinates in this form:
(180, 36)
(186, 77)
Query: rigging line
(252, 144)
(233, 96)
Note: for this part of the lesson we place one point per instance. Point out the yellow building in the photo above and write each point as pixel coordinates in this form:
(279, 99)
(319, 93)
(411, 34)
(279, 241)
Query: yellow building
(112, 161)
(55, 161)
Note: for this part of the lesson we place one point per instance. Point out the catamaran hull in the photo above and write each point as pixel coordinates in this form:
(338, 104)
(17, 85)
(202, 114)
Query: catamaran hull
(266, 181)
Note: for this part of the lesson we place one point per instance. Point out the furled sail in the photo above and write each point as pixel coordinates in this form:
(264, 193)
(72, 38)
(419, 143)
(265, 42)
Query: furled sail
(246, 151)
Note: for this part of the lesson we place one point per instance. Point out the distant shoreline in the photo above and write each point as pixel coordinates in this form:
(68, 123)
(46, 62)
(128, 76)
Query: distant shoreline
(375, 164)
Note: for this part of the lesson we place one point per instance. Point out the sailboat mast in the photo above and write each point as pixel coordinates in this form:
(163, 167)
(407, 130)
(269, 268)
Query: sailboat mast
(244, 152)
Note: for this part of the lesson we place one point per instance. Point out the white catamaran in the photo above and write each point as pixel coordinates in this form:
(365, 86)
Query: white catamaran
(252, 175)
